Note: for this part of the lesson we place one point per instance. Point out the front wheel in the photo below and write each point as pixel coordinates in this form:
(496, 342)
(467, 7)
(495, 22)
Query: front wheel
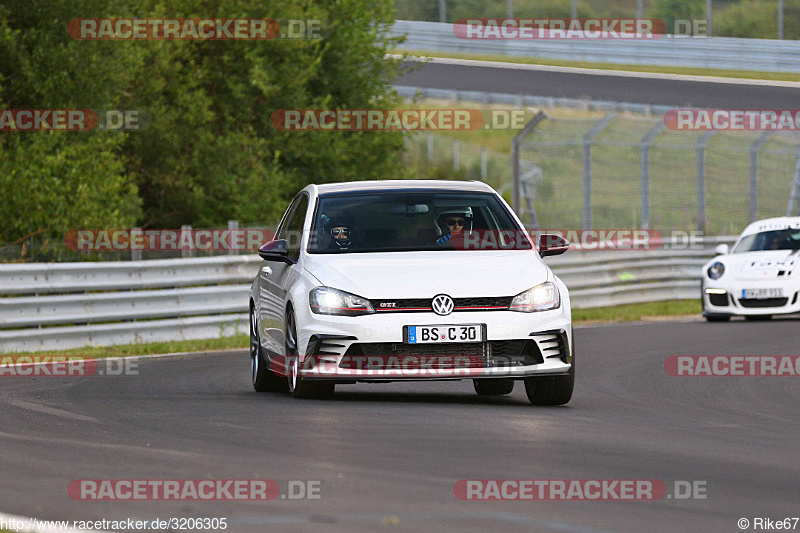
(299, 387)
(493, 387)
(757, 318)
(555, 390)
(264, 380)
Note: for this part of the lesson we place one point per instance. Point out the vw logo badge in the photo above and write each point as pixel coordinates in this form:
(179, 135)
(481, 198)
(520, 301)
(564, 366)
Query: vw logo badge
(442, 304)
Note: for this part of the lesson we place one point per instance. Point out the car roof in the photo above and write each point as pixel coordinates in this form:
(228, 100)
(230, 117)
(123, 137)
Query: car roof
(400, 185)
(772, 224)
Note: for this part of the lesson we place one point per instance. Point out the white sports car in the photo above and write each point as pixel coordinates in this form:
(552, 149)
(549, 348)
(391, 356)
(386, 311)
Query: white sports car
(759, 277)
(378, 281)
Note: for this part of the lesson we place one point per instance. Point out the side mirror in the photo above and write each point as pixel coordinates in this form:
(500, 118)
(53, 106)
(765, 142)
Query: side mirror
(276, 250)
(550, 244)
(722, 249)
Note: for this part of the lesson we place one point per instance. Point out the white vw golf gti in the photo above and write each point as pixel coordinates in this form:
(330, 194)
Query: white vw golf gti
(379, 281)
(759, 277)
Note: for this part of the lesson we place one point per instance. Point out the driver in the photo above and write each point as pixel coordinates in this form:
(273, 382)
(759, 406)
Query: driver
(451, 223)
(341, 231)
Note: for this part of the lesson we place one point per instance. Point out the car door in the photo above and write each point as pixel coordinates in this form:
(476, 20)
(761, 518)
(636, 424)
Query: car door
(275, 278)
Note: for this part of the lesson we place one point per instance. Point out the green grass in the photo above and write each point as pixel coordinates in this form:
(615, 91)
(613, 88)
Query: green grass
(636, 312)
(126, 350)
(743, 74)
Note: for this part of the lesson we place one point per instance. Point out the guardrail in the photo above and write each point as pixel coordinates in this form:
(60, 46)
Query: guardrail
(72, 305)
(698, 52)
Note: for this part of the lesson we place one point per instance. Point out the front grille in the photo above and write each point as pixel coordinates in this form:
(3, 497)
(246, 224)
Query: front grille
(490, 303)
(720, 300)
(766, 302)
(477, 354)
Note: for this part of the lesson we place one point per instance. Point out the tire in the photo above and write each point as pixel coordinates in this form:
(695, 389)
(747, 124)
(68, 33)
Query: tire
(555, 390)
(493, 387)
(757, 318)
(264, 380)
(299, 387)
(717, 318)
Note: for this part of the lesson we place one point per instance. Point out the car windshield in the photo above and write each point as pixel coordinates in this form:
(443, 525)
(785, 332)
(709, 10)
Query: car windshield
(405, 221)
(782, 239)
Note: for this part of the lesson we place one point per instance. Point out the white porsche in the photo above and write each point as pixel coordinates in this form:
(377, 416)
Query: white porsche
(379, 281)
(758, 277)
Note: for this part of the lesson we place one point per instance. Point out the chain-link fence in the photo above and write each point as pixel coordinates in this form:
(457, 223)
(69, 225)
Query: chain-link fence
(615, 171)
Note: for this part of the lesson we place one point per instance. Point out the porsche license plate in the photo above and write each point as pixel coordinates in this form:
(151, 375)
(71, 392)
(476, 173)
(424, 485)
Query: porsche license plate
(761, 294)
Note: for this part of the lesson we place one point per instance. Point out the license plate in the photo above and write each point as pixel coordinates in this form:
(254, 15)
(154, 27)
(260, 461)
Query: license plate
(444, 333)
(761, 294)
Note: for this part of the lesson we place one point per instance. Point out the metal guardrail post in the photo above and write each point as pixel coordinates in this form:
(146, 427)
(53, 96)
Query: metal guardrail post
(588, 138)
(701, 179)
(516, 143)
(754, 149)
(794, 197)
(233, 227)
(647, 141)
(136, 253)
(186, 236)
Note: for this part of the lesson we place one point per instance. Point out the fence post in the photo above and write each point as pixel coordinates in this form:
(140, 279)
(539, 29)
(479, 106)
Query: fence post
(754, 148)
(516, 142)
(794, 197)
(588, 138)
(442, 11)
(456, 162)
(647, 141)
(430, 146)
(701, 179)
(186, 233)
(484, 164)
(136, 254)
(233, 229)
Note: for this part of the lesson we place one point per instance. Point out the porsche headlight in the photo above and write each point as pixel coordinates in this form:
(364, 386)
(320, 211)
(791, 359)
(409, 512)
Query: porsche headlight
(539, 298)
(716, 270)
(327, 301)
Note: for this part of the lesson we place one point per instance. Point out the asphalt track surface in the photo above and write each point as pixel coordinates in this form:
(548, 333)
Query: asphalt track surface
(643, 90)
(388, 454)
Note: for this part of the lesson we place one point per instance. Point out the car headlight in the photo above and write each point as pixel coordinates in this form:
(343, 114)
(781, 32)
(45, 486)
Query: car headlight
(327, 301)
(539, 298)
(716, 270)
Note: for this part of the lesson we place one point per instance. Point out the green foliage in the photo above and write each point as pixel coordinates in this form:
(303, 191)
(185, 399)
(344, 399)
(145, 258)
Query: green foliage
(210, 152)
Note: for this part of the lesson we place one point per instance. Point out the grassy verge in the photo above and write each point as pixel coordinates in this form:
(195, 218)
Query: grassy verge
(636, 312)
(743, 74)
(621, 313)
(126, 350)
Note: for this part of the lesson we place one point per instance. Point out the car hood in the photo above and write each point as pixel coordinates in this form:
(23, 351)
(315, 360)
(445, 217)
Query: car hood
(426, 274)
(770, 264)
